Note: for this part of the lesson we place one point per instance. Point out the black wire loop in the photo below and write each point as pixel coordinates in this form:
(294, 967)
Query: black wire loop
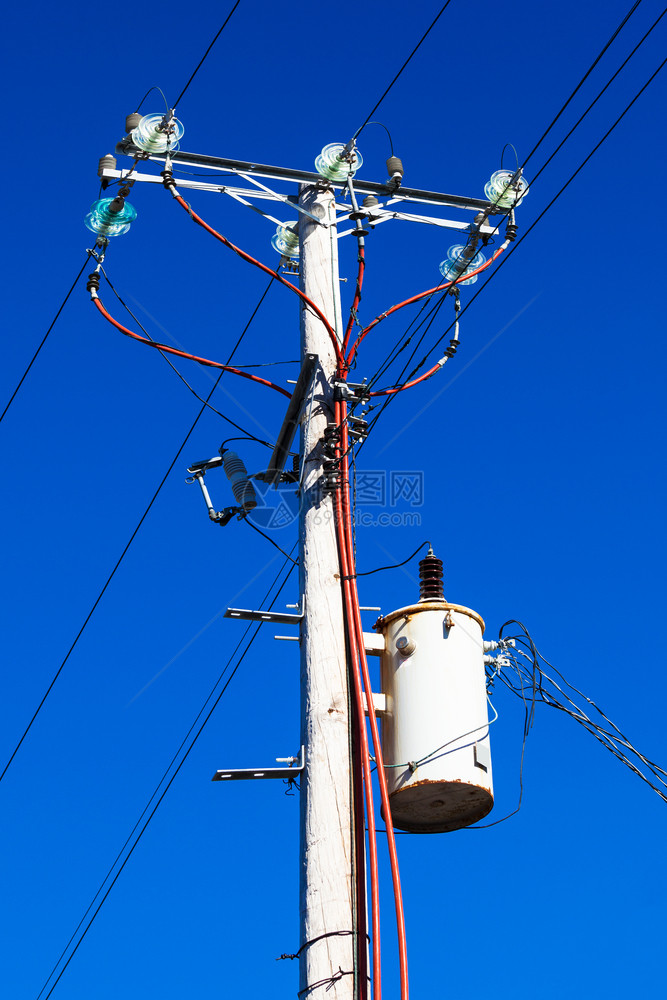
(329, 983)
(320, 937)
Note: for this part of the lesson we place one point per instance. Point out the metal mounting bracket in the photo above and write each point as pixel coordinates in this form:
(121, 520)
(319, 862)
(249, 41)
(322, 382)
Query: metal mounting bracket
(289, 773)
(278, 617)
(302, 390)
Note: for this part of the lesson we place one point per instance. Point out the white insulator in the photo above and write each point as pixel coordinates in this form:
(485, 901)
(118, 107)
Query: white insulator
(286, 240)
(155, 135)
(502, 192)
(435, 732)
(337, 163)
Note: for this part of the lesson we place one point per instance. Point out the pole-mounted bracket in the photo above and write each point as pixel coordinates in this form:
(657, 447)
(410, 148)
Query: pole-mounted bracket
(295, 766)
(277, 617)
(303, 389)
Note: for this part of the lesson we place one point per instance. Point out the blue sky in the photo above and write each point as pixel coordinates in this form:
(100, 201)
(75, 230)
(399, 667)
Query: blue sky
(543, 494)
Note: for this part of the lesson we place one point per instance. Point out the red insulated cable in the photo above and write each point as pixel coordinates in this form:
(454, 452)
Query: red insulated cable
(340, 515)
(407, 385)
(357, 297)
(360, 856)
(382, 778)
(267, 270)
(184, 354)
(415, 298)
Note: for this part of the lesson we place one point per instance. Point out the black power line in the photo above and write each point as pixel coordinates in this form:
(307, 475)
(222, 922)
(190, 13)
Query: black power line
(423, 37)
(530, 228)
(167, 787)
(249, 435)
(127, 546)
(201, 61)
(563, 141)
(583, 79)
(44, 339)
(596, 99)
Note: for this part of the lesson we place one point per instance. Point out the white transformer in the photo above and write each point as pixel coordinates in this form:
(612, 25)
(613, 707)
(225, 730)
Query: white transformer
(435, 730)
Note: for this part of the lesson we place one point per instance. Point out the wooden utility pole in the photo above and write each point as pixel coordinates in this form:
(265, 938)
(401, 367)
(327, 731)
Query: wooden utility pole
(326, 882)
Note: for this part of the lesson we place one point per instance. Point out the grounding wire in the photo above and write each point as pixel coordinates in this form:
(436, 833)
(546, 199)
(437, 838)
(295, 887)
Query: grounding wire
(250, 436)
(538, 219)
(170, 782)
(44, 339)
(201, 61)
(417, 46)
(125, 550)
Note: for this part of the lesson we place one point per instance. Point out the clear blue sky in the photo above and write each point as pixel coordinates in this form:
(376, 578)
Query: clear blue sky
(544, 494)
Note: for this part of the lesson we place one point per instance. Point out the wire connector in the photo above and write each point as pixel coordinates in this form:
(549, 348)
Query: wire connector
(346, 392)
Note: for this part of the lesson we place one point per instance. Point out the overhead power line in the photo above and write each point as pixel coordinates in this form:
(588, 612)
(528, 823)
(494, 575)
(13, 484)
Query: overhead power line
(248, 434)
(583, 79)
(127, 546)
(531, 227)
(161, 782)
(403, 341)
(44, 339)
(201, 61)
(417, 46)
(599, 95)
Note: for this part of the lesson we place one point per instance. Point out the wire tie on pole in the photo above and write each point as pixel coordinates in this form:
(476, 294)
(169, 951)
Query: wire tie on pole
(320, 937)
(329, 983)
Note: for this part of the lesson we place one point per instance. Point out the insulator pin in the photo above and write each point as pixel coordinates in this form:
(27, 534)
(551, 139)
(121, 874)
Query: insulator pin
(430, 578)
(237, 474)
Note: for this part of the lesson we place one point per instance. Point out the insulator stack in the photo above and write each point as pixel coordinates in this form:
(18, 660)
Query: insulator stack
(430, 578)
(237, 474)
